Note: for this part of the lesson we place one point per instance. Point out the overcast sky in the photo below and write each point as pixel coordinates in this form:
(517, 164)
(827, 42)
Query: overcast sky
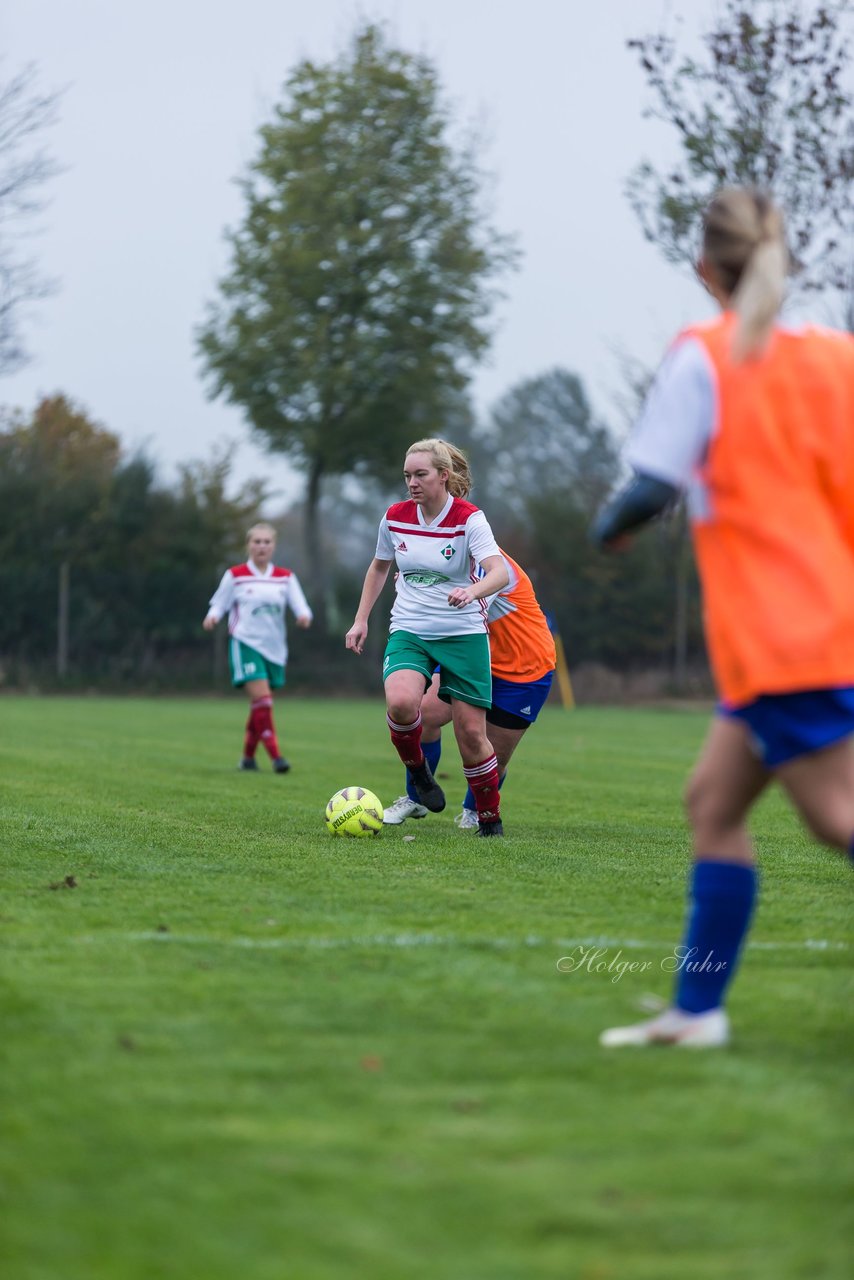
(160, 115)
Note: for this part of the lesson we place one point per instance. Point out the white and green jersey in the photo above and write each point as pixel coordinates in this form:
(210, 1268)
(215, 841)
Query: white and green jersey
(255, 603)
(431, 560)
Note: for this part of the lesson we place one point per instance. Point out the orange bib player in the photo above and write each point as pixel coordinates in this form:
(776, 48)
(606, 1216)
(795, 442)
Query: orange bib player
(756, 423)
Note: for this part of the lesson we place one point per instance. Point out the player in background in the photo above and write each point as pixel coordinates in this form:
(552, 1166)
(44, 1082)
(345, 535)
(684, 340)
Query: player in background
(255, 596)
(756, 422)
(438, 540)
(522, 660)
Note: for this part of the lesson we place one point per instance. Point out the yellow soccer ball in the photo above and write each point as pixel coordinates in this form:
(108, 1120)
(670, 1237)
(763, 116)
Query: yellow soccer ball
(353, 811)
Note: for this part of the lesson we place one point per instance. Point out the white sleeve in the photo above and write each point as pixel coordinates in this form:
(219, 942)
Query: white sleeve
(385, 544)
(672, 434)
(296, 600)
(222, 598)
(481, 539)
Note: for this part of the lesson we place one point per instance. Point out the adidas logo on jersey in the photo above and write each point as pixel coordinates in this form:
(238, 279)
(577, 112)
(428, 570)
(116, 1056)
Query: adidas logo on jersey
(525, 711)
(401, 546)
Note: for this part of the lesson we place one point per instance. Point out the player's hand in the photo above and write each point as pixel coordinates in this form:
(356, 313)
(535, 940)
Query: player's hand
(356, 636)
(209, 623)
(460, 597)
(304, 622)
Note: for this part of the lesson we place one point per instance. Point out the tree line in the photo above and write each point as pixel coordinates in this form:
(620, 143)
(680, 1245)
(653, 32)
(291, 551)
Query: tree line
(106, 571)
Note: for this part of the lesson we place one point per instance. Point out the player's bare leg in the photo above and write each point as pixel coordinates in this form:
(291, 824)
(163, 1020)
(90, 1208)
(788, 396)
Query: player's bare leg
(821, 785)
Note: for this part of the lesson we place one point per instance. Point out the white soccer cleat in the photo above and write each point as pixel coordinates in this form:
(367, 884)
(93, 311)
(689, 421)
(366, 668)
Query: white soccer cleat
(686, 1030)
(402, 809)
(467, 820)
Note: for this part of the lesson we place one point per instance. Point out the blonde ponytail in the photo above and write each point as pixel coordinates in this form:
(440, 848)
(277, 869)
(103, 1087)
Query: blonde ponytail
(744, 241)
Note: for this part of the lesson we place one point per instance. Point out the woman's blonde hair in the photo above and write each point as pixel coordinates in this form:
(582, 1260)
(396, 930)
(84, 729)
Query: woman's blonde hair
(744, 242)
(447, 457)
(262, 524)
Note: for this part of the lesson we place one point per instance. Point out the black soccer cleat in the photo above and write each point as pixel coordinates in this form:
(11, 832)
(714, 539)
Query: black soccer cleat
(281, 765)
(248, 765)
(427, 788)
(490, 828)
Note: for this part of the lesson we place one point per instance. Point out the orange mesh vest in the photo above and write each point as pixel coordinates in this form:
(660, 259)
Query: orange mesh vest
(521, 646)
(774, 520)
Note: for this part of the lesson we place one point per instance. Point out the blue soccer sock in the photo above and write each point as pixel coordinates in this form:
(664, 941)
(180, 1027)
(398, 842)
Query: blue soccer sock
(468, 798)
(432, 754)
(723, 895)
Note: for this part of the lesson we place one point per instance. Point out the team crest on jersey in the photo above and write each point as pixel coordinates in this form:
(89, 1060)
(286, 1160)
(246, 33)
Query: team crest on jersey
(448, 551)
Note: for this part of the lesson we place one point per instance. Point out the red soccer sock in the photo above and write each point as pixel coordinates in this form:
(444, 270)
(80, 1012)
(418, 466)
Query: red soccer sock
(262, 719)
(407, 741)
(483, 780)
(252, 734)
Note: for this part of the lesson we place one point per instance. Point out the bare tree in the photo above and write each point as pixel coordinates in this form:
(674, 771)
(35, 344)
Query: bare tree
(767, 102)
(25, 167)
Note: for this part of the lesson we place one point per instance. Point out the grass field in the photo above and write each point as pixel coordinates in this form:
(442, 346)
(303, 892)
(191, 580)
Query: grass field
(235, 1048)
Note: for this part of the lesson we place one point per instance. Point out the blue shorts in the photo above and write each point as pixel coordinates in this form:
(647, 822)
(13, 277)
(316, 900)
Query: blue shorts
(513, 701)
(784, 726)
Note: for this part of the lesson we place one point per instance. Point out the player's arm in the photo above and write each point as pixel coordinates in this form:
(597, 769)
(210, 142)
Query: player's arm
(221, 601)
(375, 580)
(495, 577)
(644, 498)
(486, 553)
(298, 604)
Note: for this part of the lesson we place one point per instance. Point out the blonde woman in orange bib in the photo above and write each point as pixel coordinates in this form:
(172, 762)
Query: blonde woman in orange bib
(755, 422)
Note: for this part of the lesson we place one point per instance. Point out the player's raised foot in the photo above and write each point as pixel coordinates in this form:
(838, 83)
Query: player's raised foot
(708, 1030)
(248, 764)
(280, 765)
(402, 809)
(467, 820)
(490, 828)
(427, 788)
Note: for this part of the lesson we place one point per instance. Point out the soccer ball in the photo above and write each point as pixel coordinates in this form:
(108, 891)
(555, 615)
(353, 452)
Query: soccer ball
(353, 811)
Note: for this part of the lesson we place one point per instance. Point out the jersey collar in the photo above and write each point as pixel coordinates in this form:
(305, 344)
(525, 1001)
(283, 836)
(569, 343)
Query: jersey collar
(436, 519)
(258, 573)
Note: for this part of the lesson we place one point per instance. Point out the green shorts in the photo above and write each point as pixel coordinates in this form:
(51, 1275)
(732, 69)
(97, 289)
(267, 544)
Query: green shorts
(249, 664)
(464, 661)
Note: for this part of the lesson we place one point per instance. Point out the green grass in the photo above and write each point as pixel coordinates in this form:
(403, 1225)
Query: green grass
(240, 1048)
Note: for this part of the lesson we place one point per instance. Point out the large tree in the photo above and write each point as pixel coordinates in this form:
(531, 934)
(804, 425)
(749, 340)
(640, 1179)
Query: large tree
(767, 102)
(25, 167)
(361, 279)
